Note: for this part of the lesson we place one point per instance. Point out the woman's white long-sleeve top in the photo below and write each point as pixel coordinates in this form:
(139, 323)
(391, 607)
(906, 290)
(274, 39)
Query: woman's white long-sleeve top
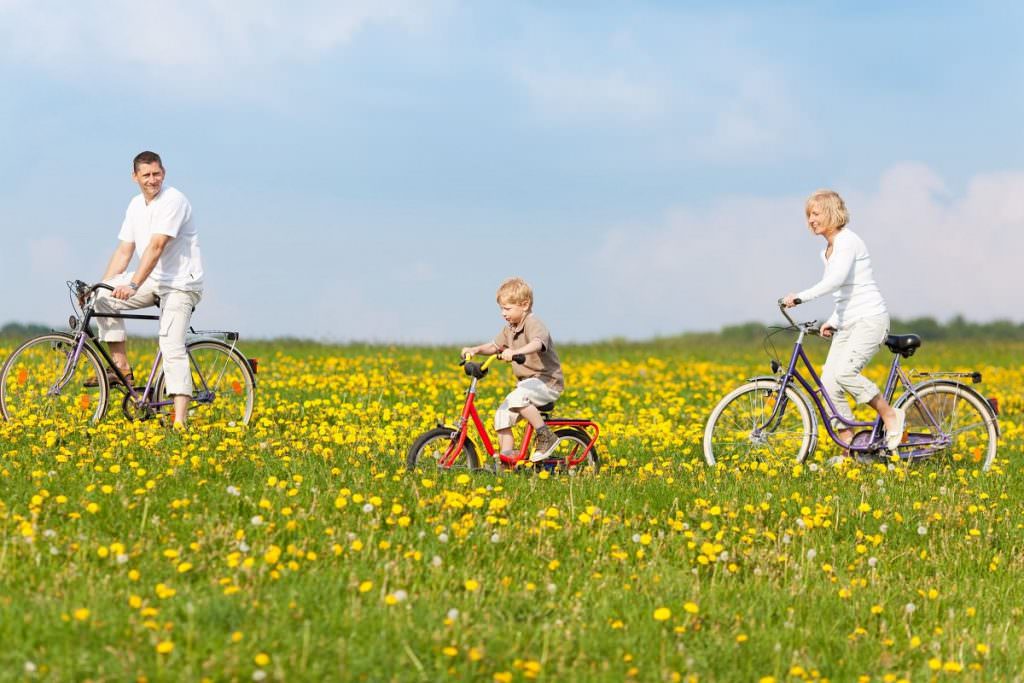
(848, 277)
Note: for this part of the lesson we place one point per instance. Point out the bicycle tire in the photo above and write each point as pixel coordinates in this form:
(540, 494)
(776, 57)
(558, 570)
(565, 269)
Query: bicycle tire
(948, 403)
(39, 365)
(571, 441)
(223, 385)
(431, 447)
(732, 439)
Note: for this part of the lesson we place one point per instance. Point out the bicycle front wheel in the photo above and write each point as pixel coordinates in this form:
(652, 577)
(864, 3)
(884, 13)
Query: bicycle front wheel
(433, 448)
(745, 426)
(44, 383)
(949, 419)
(223, 386)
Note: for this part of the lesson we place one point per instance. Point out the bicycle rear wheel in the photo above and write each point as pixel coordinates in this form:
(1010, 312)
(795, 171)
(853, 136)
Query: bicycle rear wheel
(223, 386)
(572, 443)
(741, 428)
(42, 384)
(948, 419)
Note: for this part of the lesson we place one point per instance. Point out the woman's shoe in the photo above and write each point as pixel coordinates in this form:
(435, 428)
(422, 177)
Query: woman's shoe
(895, 436)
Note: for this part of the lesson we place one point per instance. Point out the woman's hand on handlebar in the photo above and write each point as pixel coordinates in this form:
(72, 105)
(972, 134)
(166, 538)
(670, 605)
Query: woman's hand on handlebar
(790, 300)
(827, 331)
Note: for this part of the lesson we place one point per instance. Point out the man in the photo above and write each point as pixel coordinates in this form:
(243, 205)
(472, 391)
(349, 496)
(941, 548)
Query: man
(159, 224)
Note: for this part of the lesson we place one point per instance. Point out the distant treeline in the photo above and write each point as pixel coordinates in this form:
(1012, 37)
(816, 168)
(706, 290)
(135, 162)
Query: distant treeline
(928, 328)
(23, 330)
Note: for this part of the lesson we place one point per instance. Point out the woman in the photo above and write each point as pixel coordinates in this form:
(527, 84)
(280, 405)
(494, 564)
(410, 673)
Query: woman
(860, 322)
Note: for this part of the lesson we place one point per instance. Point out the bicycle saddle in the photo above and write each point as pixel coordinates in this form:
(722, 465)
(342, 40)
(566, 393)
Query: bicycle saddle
(903, 344)
(546, 408)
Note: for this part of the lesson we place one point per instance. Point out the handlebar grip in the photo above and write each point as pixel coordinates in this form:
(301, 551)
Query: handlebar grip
(519, 358)
(100, 285)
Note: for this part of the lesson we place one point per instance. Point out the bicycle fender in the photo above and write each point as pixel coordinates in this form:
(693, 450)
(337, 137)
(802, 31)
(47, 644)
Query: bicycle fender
(965, 388)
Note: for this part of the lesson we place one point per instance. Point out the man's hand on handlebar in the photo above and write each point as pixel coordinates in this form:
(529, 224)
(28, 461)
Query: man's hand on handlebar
(123, 292)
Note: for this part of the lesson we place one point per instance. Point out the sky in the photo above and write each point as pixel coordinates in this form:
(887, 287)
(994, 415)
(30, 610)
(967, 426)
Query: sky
(372, 170)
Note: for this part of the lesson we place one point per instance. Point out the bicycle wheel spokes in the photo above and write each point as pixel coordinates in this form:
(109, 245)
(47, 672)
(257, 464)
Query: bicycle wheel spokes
(433, 449)
(223, 388)
(568, 455)
(41, 384)
(746, 427)
(947, 419)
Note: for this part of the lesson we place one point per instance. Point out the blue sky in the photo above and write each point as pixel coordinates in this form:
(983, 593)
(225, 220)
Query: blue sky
(373, 170)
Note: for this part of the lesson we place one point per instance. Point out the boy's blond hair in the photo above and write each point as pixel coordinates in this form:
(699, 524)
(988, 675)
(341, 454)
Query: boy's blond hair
(832, 205)
(515, 290)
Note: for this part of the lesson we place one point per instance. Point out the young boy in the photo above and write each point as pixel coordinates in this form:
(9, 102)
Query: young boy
(540, 378)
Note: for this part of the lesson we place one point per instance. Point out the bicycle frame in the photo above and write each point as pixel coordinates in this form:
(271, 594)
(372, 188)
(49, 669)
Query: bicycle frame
(827, 409)
(141, 399)
(470, 415)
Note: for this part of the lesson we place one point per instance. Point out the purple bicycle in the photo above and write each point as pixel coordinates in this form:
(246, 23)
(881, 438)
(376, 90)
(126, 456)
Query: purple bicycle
(770, 418)
(45, 381)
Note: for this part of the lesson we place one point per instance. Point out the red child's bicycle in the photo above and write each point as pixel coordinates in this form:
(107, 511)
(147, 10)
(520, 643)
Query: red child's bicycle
(441, 447)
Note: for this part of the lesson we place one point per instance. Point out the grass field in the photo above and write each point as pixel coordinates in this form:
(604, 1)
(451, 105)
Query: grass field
(298, 549)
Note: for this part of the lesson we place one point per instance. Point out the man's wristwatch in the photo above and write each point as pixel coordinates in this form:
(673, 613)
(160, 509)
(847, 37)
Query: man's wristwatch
(134, 286)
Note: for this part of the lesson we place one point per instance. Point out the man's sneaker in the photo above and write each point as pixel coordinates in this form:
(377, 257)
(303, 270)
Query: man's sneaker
(112, 380)
(544, 445)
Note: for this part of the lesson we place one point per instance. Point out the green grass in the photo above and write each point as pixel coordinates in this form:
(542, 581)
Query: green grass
(791, 573)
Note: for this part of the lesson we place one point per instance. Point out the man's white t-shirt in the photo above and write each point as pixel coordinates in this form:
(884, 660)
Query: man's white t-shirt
(180, 266)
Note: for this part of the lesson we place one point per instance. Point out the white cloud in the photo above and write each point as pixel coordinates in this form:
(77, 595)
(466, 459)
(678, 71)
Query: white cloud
(933, 253)
(210, 40)
(739, 111)
(757, 114)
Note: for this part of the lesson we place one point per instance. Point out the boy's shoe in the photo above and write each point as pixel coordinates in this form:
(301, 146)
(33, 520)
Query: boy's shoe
(893, 438)
(112, 380)
(545, 444)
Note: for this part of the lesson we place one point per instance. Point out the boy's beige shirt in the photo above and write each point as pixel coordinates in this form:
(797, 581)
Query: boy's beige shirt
(544, 365)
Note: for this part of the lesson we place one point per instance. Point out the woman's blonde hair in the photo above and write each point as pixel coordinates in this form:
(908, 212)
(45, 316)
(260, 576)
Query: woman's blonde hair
(832, 205)
(515, 290)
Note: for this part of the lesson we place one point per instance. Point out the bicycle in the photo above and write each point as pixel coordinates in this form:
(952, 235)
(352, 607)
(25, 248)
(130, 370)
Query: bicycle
(771, 417)
(440, 448)
(40, 381)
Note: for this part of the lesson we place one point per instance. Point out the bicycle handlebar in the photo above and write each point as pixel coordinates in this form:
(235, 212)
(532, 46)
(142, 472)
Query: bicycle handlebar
(810, 327)
(478, 370)
(519, 358)
(84, 290)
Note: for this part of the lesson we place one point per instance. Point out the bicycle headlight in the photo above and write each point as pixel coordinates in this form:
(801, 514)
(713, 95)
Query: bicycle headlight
(73, 323)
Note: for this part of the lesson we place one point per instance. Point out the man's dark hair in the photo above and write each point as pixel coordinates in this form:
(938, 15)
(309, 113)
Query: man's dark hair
(146, 158)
